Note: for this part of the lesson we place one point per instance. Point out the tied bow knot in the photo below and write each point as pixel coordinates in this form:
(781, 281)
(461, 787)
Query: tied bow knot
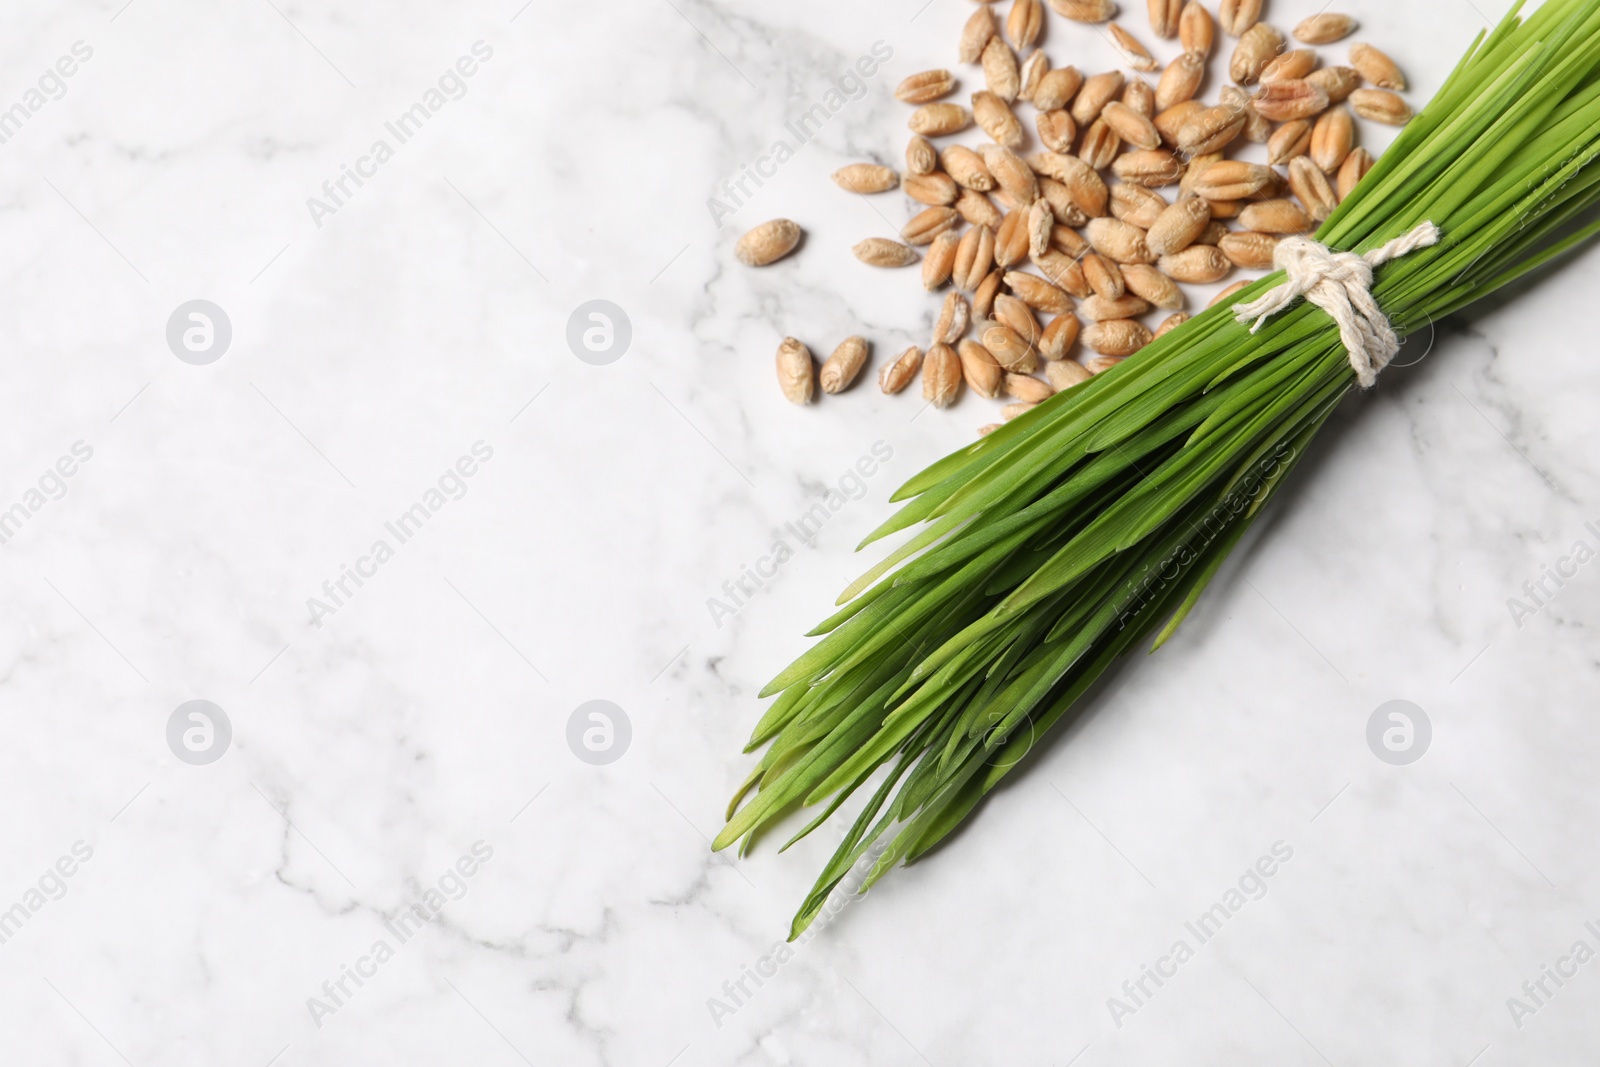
(1340, 283)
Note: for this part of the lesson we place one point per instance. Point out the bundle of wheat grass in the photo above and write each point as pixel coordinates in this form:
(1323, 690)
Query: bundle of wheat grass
(1074, 533)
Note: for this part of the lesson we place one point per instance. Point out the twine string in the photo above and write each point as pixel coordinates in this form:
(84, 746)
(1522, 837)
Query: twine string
(1340, 283)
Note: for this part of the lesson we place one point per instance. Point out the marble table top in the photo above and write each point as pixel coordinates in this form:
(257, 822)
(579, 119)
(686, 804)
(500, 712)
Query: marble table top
(325, 528)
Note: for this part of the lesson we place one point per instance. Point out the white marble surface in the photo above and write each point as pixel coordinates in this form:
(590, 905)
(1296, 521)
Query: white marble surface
(429, 712)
